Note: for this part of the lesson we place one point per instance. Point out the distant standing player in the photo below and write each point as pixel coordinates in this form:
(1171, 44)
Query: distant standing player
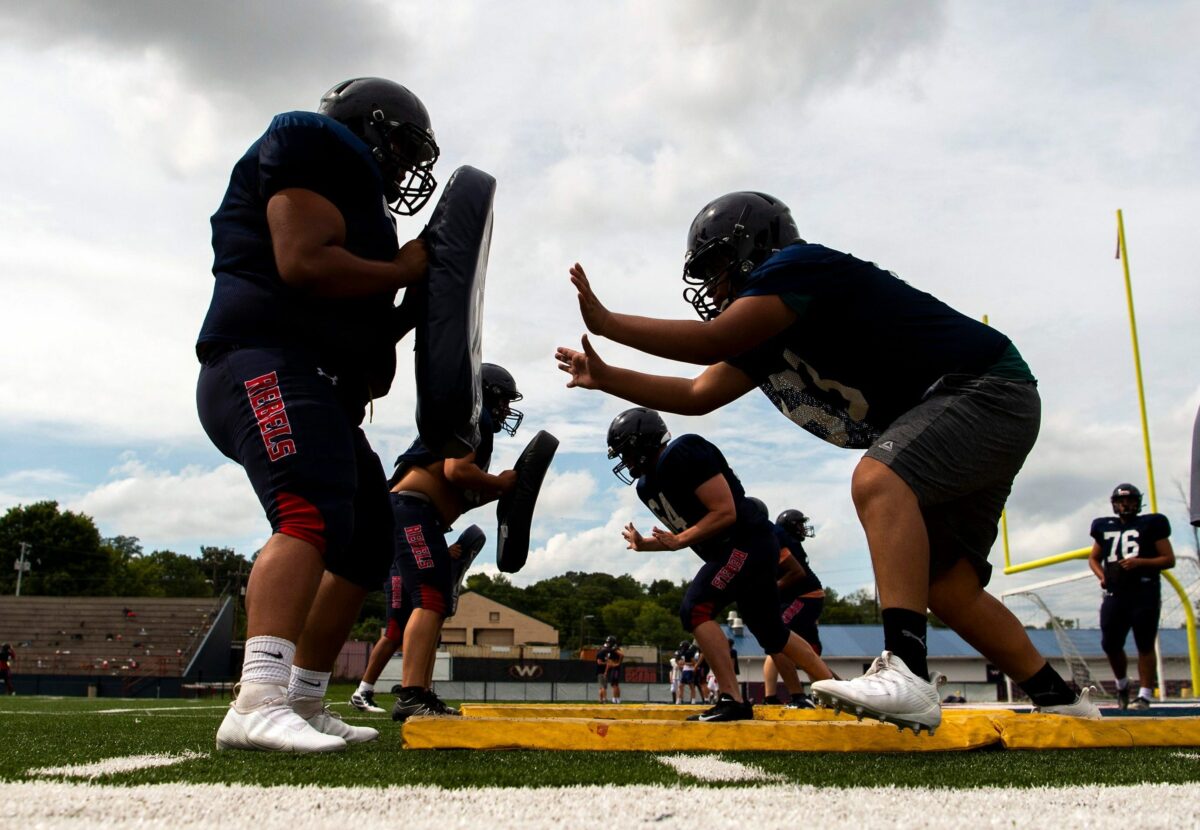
(1129, 552)
(608, 668)
(7, 656)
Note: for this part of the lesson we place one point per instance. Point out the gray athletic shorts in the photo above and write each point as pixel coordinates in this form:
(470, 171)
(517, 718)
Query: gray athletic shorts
(959, 450)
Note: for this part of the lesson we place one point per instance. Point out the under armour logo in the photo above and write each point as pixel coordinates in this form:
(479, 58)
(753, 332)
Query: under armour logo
(887, 445)
(322, 374)
(920, 640)
(278, 655)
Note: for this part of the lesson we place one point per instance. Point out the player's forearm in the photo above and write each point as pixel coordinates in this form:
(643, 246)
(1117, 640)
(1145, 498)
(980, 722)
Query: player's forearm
(713, 523)
(666, 394)
(690, 341)
(332, 271)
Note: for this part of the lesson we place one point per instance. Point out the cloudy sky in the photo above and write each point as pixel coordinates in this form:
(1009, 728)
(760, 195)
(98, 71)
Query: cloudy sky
(979, 151)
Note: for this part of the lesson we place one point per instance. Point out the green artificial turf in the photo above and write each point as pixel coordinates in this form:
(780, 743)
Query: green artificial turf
(49, 732)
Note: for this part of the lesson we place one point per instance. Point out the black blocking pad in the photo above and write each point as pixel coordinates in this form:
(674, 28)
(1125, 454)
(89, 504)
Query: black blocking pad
(448, 314)
(471, 541)
(514, 510)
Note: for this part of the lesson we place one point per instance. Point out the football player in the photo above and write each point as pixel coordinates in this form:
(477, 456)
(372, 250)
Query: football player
(298, 339)
(428, 496)
(863, 360)
(690, 488)
(608, 668)
(801, 598)
(399, 609)
(1129, 551)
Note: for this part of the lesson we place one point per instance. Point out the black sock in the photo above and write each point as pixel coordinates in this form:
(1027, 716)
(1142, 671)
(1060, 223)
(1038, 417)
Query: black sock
(1047, 688)
(904, 636)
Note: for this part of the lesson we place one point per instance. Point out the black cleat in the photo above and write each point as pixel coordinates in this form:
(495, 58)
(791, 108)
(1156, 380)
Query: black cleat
(418, 701)
(1123, 698)
(726, 709)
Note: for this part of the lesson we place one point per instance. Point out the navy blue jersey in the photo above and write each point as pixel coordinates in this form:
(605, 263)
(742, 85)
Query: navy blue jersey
(865, 346)
(810, 582)
(669, 490)
(1120, 540)
(418, 455)
(252, 306)
(605, 654)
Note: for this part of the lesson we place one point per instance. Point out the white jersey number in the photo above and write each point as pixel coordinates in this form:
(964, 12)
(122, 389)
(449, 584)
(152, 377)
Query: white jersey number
(1122, 544)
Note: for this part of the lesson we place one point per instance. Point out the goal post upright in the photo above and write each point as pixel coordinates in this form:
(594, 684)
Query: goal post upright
(1084, 553)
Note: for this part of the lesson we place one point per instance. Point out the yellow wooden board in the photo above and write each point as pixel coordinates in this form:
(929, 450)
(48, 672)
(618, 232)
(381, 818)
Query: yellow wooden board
(673, 735)
(1051, 732)
(664, 711)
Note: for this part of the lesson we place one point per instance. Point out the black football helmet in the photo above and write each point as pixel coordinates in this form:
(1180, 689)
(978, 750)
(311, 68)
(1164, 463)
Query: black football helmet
(634, 436)
(500, 390)
(728, 239)
(796, 523)
(1126, 501)
(760, 505)
(610, 641)
(395, 125)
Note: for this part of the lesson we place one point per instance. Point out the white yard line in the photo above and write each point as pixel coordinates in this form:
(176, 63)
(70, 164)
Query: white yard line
(112, 766)
(86, 806)
(715, 768)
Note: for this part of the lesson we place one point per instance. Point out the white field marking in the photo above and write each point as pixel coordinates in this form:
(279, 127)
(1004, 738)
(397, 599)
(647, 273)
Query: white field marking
(715, 768)
(1193, 755)
(150, 710)
(207, 806)
(112, 766)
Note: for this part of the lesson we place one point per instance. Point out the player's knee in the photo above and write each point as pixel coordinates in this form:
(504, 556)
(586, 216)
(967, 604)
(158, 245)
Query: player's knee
(873, 482)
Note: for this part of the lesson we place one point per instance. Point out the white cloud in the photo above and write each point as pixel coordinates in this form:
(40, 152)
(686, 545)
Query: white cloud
(166, 509)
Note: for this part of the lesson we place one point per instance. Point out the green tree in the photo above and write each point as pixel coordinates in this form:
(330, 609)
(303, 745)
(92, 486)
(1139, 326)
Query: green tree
(658, 627)
(165, 573)
(65, 552)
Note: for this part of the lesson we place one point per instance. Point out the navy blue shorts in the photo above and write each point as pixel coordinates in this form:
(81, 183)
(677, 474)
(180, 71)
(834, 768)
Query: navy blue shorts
(1137, 609)
(801, 615)
(746, 575)
(275, 412)
(422, 557)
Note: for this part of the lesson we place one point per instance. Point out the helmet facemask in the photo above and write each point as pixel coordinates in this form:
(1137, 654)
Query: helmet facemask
(406, 154)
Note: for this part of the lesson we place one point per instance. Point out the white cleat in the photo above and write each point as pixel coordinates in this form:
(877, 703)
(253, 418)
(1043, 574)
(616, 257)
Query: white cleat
(888, 692)
(320, 717)
(1081, 708)
(270, 725)
(365, 702)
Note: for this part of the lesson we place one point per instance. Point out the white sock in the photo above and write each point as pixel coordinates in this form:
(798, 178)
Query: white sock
(364, 686)
(306, 683)
(1146, 693)
(1123, 683)
(268, 660)
(616, 700)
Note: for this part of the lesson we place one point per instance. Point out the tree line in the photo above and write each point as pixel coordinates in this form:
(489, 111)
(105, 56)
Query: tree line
(69, 557)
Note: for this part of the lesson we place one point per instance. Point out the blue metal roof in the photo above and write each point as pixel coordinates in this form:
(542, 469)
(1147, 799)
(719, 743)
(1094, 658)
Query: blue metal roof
(866, 641)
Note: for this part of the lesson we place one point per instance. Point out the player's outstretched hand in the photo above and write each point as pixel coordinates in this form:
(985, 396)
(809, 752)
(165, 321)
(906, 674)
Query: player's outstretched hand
(635, 539)
(455, 551)
(666, 538)
(595, 315)
(584, 367)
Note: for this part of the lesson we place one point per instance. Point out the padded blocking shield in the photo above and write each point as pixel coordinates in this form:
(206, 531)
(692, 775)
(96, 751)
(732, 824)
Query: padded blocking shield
(471, 541)
(514, 510)
(448, 313)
